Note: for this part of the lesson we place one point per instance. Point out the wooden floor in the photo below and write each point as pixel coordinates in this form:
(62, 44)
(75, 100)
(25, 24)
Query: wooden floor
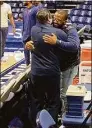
(8, 62)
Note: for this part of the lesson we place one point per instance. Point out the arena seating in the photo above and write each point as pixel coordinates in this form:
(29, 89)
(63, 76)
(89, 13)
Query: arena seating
(18, 7)
(79, 12)
(82, 14)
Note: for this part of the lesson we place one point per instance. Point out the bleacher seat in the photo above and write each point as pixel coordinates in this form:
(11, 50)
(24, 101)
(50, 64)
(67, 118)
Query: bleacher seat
(88, 2)
(81, 19)
(22, 9)
(20, 4)
(15, 15)
(59, 4)
(88, 7)
(89, 20)
(76, 12)
(13, 4)
(13, 10)
(83, 12)
(74, 19)
(17, 10)
(87, 13)
(85, 7)
(79, 26)
(50, 5)
(20, 15)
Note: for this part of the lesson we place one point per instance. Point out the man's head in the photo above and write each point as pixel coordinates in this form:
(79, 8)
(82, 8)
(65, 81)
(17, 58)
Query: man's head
(44, 16)
(60, 18)
(28, 4)
(36, 2)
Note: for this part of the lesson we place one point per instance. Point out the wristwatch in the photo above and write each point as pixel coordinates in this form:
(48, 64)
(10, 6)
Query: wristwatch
(58, 42)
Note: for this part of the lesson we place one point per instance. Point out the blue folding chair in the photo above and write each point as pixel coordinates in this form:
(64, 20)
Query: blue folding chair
(81, 20)
(15, 15)
(13, 10)
(21, 15)
(18, 10)
(20, 4)
(76, 12)
(22, 9)
(88, 2)
(89, 7)
(13, 4)
(89, 20)
(79, 26)
(82, 13)
(88, 13)
(44, 120)
(74, 19)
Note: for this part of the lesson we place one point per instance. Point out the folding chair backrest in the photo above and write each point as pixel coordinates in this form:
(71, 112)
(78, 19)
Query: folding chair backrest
(45, 119)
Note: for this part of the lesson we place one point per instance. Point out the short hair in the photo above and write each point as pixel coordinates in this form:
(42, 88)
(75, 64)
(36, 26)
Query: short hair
(43, 15)
(63, 12)
(39, 1)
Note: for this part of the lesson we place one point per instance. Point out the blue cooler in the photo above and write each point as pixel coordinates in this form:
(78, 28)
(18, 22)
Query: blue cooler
(75, 99)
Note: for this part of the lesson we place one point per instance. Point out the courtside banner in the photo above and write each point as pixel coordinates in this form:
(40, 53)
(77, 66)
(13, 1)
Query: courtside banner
(85, 67)
(18, 35)
(85, 70)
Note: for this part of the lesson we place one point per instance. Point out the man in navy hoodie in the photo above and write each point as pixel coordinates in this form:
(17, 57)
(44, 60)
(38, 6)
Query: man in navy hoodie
(69, 60)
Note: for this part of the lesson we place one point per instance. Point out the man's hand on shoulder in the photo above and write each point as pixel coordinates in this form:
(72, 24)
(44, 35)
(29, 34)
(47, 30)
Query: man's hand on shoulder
(50, 39)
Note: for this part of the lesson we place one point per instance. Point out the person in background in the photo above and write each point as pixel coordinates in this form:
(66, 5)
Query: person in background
(27, 28)
(29, 20)
(5, 13)
(69, 60)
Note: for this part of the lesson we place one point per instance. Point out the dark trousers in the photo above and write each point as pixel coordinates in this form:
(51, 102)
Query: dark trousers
(27, 52)
(3, 36)
(46, 94)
